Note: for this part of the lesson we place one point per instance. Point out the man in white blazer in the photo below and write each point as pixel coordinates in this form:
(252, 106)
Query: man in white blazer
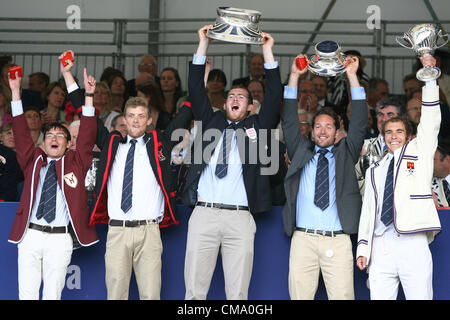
(398, 215)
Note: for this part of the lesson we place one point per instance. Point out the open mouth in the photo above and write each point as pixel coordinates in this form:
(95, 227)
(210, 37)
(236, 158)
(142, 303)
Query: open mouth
(54, 146)
(234, 108)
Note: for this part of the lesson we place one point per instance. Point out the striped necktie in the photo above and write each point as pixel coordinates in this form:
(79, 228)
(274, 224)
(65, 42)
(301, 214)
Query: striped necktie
(222, 159)
(387, 211)
(127, 186)
(321, 195)
(47, 203)
(446, 191)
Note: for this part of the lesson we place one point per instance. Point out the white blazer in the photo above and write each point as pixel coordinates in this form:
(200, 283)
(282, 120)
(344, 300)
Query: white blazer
(414, 208)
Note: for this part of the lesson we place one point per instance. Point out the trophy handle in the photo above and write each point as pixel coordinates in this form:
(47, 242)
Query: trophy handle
(402, 42)
(444, 37)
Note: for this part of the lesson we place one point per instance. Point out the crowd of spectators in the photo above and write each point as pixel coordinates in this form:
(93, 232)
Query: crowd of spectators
(46, 100)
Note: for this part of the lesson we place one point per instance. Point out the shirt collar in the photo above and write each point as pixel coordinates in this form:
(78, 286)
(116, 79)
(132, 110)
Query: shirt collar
(317, 148)
(139, 140)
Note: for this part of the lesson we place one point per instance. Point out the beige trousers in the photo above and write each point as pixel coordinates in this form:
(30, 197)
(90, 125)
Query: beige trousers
(231, 231)
(311, 254)
(139, 249)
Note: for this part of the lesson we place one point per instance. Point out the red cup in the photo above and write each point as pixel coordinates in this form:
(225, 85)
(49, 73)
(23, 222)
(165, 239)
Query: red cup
(13, 70)
(67, 56)
(301, 63)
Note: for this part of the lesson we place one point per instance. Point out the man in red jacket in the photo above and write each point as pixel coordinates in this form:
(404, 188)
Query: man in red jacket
(53, 201)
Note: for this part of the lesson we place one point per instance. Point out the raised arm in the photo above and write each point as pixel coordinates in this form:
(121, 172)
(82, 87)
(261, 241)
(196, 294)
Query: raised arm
(22, 138)
(289, 113)
(201, 106)
(358, 123)
(88, 124)
(270, 108)
(430, 119)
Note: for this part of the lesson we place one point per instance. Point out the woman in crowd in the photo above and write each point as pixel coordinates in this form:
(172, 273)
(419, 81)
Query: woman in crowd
(118, 86)
(55, 97)
(171, 88)
(215, 86)
(7, 136)
(5, 104)
(103, 104)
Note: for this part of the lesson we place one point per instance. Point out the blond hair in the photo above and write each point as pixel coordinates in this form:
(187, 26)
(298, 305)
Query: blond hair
(134, 102)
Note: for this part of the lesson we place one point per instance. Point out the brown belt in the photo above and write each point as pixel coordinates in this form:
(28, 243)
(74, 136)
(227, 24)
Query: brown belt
(49, 229)
(131, 223)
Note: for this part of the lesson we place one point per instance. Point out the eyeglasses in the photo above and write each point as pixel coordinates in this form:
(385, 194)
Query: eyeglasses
(146, 64)
(304, 123)
(57, 135)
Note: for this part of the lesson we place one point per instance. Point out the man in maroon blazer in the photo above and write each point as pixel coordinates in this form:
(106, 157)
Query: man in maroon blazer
(53, 203)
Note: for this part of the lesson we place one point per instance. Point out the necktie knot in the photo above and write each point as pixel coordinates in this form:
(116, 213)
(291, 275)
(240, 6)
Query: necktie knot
(133, 142)
(322, 152)
(232, 125)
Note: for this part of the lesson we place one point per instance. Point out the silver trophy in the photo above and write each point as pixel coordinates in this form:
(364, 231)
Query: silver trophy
(371, 156)
(328, 60)
(236, 25)
(423, 38)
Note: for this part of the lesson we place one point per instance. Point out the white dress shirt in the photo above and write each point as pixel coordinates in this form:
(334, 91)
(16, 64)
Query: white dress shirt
(147, 199)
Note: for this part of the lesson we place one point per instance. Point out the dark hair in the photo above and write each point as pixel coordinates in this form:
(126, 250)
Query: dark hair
(391, 101)
(329, 112)
(42, 76)
(32, 108)
(57, 125)
(153, 93)
(52, 86)
(108, 72)
(407, 123)
(219, 75)
(178, 91)
(240, 86)
(119, 75)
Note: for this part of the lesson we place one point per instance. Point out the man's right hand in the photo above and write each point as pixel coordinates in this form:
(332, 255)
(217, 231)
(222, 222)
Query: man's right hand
(69, 65)
(296, 73)
(203, 42)
(14, 84)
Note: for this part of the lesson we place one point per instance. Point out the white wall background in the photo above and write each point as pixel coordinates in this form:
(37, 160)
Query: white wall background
(176, 9)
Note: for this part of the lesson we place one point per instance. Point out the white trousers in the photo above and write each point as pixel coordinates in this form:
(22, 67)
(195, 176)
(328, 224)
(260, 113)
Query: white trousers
(404, 259)
(43, 257)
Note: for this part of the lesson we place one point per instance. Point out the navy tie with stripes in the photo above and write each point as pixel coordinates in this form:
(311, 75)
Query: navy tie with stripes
(222, 159)
(127, 186)
(387, 211)
(322, 187)
(47, 203)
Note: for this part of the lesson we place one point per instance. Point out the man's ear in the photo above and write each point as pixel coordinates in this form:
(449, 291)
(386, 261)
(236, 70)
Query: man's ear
(69, 144)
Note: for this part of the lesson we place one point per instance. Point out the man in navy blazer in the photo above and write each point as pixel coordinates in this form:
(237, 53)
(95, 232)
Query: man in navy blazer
(227, 185)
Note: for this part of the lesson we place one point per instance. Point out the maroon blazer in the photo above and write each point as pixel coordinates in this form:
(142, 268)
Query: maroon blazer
(71, 171)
